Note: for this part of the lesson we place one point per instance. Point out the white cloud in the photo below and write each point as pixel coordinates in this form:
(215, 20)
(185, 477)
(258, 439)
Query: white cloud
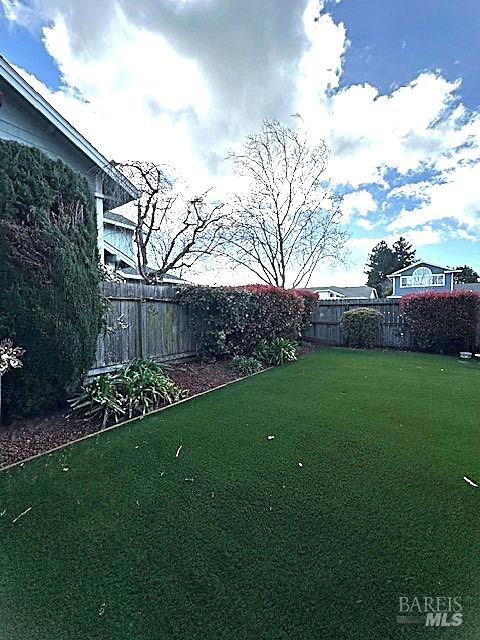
(456, 198)
(157, 81)
(358, 203)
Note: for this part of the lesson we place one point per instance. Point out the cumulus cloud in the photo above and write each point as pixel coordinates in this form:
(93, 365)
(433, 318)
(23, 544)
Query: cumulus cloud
(182, 81)
(359, 202)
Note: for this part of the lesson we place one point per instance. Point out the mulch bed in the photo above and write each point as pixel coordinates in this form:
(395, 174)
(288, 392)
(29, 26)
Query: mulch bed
(29, 437)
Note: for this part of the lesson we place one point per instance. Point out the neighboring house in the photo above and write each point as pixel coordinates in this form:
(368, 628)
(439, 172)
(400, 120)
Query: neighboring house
(26, 117)
(118, 240)
(345, 293)
(120, 250)
(467, 286)
(422, 276)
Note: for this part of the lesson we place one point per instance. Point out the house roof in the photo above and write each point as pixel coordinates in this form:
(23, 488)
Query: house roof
(363, 291)
(420, 262)
(62, 125)
(132, 273)
(467, 286)
(117, 219)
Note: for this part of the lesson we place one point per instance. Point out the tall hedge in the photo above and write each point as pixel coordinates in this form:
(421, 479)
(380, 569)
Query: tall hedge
(443, 322)
(233, 321)
(50, 301)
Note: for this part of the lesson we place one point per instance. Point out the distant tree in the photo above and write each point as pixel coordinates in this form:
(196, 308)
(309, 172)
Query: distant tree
(381, 262)
(403, 253)
(384, 260)
(467, 274)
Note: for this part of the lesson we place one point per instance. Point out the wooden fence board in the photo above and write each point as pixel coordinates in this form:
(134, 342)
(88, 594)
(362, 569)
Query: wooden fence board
(326, 321)
(142, 320)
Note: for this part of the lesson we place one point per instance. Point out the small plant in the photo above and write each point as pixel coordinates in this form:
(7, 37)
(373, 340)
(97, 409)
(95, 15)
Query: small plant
(277, 351)
(10, 358)
(245, 365)
(145, 387)
(100, 400)
(138, 388)
(362, 327)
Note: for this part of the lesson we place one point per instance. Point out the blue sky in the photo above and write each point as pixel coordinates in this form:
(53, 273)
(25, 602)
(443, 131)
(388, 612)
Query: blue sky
(392, 41)
(392, 86)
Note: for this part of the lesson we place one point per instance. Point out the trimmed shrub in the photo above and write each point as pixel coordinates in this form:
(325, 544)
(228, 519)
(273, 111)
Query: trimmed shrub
(50, 299)
(362, 327)
(232, 321)
(310, 303)
(442, 322)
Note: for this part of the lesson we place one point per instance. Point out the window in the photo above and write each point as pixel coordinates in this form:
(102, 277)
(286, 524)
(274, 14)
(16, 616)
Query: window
(423, 277)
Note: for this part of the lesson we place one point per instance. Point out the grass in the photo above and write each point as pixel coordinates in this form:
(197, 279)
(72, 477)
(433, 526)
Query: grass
(233, 539)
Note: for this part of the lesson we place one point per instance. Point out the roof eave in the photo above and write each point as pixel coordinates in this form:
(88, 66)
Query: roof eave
(67, 129)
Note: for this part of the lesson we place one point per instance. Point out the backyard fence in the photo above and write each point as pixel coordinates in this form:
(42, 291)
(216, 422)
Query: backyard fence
(142, 320)
(326, 321)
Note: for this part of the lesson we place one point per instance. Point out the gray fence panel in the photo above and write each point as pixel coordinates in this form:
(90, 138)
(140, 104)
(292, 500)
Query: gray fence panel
(142, 320)
(326, 321)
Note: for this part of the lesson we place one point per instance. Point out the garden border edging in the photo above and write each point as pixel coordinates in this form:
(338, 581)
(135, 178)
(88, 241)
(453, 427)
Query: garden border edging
(137, 418)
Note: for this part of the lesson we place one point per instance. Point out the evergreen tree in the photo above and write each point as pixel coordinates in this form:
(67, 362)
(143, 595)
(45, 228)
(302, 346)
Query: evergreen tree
(50, 302)
(381, 262)
(404, 254)
(384, 260)
(467, 274)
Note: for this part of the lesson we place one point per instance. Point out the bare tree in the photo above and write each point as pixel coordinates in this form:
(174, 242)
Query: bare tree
(172, 231)
(288, 220)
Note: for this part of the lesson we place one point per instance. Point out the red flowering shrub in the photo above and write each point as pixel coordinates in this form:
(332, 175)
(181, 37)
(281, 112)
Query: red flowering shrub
(310, 303)
(444, 322)
(233, 321)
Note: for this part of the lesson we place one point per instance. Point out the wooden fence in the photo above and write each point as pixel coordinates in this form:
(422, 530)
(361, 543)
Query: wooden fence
(326, 321)
(142, 320)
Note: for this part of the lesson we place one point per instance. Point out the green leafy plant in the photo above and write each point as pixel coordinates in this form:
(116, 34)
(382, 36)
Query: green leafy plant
(101, 399)
(278, 351)
(50, 299)
(145, 387)
(138, 388)
(232, 322)
(10, 358)
(362, 327)
(245, 365)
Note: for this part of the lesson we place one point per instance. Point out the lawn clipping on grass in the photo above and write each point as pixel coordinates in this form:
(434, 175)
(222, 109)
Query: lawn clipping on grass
(303, 502)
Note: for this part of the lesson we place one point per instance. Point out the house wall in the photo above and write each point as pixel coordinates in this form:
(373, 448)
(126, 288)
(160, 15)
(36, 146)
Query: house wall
(21, 122)
(120, 238)
(402, 291)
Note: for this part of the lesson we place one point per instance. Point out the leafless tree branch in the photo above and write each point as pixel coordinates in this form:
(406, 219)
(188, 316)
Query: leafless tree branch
(289, 220)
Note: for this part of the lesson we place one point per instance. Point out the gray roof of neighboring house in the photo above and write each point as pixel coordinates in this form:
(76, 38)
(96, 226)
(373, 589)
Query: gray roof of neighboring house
(349, 292)
(422, 262)
(134, 273)
(117, 218)
(468, 286)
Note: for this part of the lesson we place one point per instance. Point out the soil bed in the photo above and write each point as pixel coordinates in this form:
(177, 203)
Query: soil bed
(29, 437)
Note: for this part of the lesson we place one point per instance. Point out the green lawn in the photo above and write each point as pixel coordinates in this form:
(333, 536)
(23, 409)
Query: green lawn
(233, 539)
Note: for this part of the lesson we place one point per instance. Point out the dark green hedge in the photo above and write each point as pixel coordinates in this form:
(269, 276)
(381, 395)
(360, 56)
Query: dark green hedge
(233, 321)
(443, 322)
(50, 302)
